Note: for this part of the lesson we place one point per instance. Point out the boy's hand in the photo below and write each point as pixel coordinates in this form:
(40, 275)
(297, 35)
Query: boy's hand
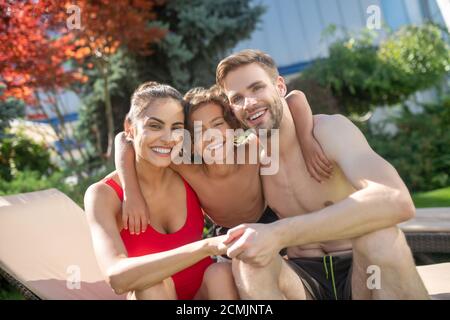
(135, 214)
(317, 163)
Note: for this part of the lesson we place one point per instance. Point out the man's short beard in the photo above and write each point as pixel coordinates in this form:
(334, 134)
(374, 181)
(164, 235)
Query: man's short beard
(275, 108)
(276, 113)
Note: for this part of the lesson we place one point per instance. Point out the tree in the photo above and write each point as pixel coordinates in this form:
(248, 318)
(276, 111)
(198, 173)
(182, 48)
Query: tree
(34, 50)
(31, 56)
(10, 109)
(122, 81)
(106, 26)
(199, 34)
(419, 148)
(38, 53)
(361, 75)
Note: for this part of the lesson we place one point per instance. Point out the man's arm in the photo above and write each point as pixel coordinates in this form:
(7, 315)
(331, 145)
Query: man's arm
(135, 214)
(381, 200)
(317, 163)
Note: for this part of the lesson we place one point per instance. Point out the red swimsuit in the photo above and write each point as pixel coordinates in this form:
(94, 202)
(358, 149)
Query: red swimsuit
(187, 281)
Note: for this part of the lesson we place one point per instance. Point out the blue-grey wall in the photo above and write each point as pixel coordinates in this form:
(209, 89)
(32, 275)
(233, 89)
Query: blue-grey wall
(291, 30)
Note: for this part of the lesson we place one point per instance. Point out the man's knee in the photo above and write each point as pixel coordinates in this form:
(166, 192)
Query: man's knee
(382, 247)
(243, 269)
(256, 282)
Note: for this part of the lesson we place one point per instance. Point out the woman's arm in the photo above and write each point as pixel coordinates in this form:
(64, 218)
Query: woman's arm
(135, 214)
(138, 273)
(317, 163)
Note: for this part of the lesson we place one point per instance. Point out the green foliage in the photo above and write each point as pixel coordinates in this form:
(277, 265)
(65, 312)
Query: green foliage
(419, 150)
(20, 153)
(29, 181)
(9, 109)
(200, 33)
(122, 80)
(8, 292)
(417, 57)
(361, 75)
(320, 98)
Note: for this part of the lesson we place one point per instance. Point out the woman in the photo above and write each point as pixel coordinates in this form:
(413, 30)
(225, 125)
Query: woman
(170, 260)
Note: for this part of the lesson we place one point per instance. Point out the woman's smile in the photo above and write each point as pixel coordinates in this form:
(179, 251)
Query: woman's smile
(162, 151)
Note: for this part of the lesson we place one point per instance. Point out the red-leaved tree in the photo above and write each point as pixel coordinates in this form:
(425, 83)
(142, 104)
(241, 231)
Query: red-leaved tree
(45, 45)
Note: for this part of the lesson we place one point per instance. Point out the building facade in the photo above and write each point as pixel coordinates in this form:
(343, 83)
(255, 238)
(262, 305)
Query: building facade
(291, 31)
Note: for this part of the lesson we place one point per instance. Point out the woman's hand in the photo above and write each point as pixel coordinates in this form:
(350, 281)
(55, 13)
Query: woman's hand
(135, 214)
(317, 163)
(215, 245)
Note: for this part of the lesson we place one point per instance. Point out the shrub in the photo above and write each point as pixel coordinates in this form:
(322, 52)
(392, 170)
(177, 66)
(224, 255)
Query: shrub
(19, 154)
(29, 181)
(361, 75)
(420, 149)
(9, 109)
(320, 98)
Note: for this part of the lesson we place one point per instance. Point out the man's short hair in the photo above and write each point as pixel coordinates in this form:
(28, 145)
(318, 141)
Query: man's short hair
(243, 58)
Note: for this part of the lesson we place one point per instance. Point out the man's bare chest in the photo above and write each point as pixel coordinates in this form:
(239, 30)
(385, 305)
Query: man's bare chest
(292, 191)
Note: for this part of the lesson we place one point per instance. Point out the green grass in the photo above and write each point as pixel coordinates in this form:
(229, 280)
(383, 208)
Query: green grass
(8, 292)
(435, 198)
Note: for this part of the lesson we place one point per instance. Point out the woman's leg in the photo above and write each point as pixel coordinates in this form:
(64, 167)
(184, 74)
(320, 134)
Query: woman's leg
(218, 283)
(164, 290)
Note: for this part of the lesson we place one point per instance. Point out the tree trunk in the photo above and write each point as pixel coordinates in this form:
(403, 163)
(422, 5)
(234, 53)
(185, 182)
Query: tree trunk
(59, 135)
(58, 102)
(109, 118)
(62, 127)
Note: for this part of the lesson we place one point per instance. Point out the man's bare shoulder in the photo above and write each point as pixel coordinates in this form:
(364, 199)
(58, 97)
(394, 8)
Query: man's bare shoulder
(328, 127)
(326, 122)
(336, 132)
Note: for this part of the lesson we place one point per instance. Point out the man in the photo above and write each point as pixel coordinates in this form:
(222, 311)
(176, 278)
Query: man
(334, 230)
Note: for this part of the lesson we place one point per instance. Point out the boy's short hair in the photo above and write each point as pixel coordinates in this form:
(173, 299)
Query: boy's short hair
(197, 97)
(243, 58)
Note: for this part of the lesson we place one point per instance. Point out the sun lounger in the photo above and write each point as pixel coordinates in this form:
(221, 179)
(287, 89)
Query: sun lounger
(45, 243)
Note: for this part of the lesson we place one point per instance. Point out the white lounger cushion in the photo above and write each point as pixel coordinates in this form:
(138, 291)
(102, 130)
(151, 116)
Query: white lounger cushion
(44, 241)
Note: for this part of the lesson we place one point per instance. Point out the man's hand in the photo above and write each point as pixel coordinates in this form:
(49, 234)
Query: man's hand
(317, 163)
(135, 214)
(255, 243)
